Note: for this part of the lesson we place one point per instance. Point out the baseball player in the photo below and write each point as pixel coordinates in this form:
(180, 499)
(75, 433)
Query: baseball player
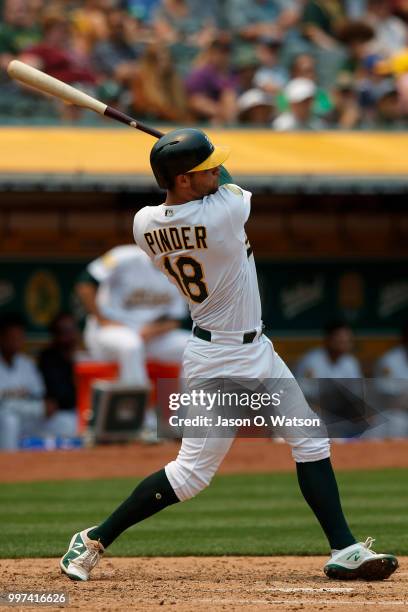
(391, 374)
(197, 238)
(134, 312)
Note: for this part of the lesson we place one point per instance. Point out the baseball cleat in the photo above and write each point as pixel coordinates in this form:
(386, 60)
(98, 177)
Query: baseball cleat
(82, 556)
(359, 562)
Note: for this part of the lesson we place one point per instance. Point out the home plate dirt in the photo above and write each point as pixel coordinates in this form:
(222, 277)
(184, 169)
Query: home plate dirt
(208, 583)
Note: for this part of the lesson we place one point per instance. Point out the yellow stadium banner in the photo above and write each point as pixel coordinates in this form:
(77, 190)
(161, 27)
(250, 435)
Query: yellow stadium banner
(254, 152)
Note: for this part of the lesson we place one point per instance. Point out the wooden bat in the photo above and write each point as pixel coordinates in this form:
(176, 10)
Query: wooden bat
(48, 84)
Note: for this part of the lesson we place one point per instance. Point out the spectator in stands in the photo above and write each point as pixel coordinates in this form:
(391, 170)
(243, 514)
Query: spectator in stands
(19, 29)
(142, 10)
(391, 372)
(271, 76)
(355, 9)
(245, 63)
(212, 87)
(401, 9)
(320, 21)
(345, 113)
(390, 32)
(387, 107)
(21, 388)
(55, 54)
(116, 57)
(255, 107)
(157, 90)
(395, 67)
(260, 18)
(90, 24)
(303, 66)
(175, 21)
(56, 364)
(23, 409)
(334, 360)
(357, 36)
(300, 94)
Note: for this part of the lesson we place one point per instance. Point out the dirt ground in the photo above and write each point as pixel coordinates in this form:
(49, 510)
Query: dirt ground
(246, 456)
(210, 584)
(200, 583)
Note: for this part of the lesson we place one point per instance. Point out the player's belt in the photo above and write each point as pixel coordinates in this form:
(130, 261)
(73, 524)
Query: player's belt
(245, 338)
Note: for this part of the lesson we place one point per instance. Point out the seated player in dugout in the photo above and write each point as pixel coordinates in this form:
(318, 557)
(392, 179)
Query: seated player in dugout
(134, 313)
(215, 272)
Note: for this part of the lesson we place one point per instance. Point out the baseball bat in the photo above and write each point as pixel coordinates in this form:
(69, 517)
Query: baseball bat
(44, 82)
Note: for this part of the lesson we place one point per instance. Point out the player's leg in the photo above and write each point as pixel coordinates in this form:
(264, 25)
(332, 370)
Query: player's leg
(317, 481)
(182, 479)
(121, 344)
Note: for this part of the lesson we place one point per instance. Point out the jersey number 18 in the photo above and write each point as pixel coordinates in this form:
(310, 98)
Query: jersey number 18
(189, 276)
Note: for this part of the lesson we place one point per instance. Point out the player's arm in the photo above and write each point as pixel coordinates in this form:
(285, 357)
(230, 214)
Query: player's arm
(86, 289)
(158, 328)
(176, 312)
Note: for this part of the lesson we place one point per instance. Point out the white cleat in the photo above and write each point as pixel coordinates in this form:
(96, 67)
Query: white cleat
(82, 556)
(359, 562)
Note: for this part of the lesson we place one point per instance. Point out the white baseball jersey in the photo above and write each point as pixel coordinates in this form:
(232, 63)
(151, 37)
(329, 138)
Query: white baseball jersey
(21, 378)
(392, 371)
(202, 248)
(317, 364)
(131, 290)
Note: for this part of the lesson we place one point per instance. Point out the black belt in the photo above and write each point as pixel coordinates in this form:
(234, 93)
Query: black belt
(204, 334)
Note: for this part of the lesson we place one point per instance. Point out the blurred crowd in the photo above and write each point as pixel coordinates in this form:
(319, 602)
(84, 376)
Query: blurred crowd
(284, 64)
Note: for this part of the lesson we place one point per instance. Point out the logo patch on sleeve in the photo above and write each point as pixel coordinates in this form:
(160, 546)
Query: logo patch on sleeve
(236, 190)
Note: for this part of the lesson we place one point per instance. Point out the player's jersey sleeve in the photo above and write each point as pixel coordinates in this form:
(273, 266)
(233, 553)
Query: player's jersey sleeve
(103, 267)
(237, 203)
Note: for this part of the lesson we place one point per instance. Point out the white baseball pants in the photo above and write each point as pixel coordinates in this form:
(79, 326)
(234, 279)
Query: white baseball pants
(124, 345)
(199, 458)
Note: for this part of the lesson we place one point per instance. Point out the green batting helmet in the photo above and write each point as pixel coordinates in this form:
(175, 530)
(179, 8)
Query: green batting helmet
(182, 151)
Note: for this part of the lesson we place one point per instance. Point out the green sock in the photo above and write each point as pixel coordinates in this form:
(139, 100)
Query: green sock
(319, 487)
(153, 494)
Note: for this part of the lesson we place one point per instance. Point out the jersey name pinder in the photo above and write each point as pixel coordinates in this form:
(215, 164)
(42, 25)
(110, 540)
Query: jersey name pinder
(215, 274)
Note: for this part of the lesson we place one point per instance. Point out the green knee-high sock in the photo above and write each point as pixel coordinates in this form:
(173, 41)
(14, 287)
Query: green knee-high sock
(153, 494)
(319, 487)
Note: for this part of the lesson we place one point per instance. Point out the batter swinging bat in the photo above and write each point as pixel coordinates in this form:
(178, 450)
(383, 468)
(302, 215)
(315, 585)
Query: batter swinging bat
(48, 84)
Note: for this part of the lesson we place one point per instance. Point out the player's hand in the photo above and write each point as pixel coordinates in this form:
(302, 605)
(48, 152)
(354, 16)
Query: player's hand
(148, 332)
(105, 322)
